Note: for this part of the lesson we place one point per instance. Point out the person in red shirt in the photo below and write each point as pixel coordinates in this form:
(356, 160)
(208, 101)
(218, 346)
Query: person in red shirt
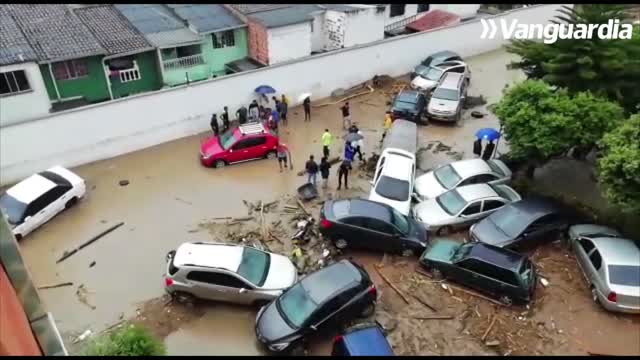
(283, 153)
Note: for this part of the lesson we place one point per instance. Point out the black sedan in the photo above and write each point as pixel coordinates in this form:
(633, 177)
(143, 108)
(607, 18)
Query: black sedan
(329, 297)
(371, 225)
(522, 224)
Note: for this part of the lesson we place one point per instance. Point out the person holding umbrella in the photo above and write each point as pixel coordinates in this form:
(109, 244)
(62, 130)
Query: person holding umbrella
(488, 150)
(490, 135)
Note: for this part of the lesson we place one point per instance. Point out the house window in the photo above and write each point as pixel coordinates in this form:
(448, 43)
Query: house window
(72, 69)
(13, 82)
(396, 9)
(185, 51)
(223, 39)
(423, 7)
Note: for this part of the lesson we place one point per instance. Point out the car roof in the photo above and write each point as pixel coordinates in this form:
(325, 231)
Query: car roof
(368, 208)
(503, 258)
(211, 255)
(327, 281)
(30, 188)
(535, 207)
(444, 54)
(369, 341)
(471, 167)
(252, 129)
(450, 80)
(407, 95)
(476, 191)
(618, 251)
(397, 166)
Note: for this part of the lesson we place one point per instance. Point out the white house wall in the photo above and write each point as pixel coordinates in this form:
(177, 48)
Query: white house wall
(289, 42)
(318, 32)
(27, 105)
(363, 27)
(465, 11)
(335, 23)
(100, 131)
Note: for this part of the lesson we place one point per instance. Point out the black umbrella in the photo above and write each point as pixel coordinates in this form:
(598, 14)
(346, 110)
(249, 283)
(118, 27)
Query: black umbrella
(351, 137)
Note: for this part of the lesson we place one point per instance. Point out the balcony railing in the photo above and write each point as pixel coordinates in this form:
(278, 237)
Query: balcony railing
(403, 22)
(183, 62)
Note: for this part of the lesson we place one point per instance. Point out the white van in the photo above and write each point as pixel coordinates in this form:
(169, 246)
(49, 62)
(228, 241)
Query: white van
(394, 179)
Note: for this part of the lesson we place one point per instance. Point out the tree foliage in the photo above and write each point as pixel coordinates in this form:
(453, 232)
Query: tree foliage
(126, 341)
(606, 67)
(619, 168)
(541, 122)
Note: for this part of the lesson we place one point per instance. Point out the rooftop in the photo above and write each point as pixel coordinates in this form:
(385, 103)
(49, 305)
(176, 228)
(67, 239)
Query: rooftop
(206, 18)
(247, 9)
(112, 30)
(433, 19)
(54, 32)
(285, 16)
(221, 256)
(14, 47)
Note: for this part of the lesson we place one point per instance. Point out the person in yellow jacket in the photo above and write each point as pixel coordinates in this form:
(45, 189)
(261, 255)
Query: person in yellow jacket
(388, 120)
(327, 139)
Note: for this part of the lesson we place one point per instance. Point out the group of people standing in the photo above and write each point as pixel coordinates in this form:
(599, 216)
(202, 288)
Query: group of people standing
(488, 149)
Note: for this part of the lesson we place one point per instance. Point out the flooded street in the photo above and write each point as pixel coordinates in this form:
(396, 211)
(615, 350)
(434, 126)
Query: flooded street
(169, 194)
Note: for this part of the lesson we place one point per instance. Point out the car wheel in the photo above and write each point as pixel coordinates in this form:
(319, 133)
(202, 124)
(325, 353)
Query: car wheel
(437, 274)
(594, 295)
(506, 300)
(407, 252)
(184, 298)
(271, 155)
(341, 243)
(71, 202)
(368, 310)
(445, 230)
(219, 164)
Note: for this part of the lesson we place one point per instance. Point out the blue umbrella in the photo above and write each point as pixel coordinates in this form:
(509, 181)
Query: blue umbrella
(265, 89)
(488, 134)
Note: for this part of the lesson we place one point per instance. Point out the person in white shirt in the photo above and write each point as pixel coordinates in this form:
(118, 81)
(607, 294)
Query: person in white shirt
(359, 145)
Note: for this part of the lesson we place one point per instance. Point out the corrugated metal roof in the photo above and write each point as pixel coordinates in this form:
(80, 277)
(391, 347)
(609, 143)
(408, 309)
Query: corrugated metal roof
(254, 8)
(112, 30)
(54, 32)
(343, 8)
(14, 47)
(433, 19)
(206, 18)
(159, 26)
(286, 16)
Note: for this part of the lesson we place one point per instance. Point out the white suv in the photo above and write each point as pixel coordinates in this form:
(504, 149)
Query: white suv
(229, 273)
(393, 180)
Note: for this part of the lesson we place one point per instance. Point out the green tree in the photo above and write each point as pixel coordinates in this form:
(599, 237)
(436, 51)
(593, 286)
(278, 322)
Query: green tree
(126, 341)
(606, 67)
(541, 122)
(619, 167)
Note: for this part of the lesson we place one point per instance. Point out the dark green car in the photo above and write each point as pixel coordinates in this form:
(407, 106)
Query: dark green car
(502, 273)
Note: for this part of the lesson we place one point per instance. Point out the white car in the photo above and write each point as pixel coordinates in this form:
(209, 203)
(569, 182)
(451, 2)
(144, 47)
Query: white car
(428, 77)
(393, 179)
(460, 173)
(36, 199)
(463, 206)
(226, 272)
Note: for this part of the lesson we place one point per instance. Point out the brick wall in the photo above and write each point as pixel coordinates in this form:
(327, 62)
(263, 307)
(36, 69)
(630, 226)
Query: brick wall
(258, 42)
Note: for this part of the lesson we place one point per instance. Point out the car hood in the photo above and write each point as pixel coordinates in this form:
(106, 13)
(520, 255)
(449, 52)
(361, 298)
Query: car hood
(271, 326)
(430, 213)
(441, 251)
(443, 105)
(421, 83)
(427, 187)
(487, 232)
(211, 146)
(590, 229)
(282, 273)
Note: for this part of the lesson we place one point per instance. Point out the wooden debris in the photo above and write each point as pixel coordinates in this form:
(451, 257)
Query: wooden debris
(67, 254)
(113, 326)
(473, 293)
(275, 237)
(434, 317)
(424, 273)
(403, 296)
(369, 91)
(301, 205)
(486, 332)
(421, 301)
(53, 286)
(222, 218)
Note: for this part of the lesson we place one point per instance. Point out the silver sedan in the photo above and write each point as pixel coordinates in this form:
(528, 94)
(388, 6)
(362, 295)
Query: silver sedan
(610, 264)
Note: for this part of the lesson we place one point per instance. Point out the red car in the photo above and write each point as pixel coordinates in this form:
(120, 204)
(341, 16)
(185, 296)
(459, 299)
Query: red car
(246, 142)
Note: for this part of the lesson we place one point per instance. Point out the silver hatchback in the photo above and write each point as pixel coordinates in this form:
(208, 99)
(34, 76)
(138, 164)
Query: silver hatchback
(610, 264)
(229, 273)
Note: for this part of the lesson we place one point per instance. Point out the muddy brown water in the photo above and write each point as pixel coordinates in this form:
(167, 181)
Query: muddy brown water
(169, 193)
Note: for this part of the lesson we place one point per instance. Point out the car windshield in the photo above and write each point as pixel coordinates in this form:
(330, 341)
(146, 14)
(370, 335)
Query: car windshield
(445, 94)
(403, 105)
(430, 73)
(296, 306)
(626, 275)
(447, 176)
(400, 221)
(254, 266)
(227, 140)
(501, 191)
(461, 252)
(451, 202)
(392, 188)
(510, 221)
(495, 167)
(12, 208)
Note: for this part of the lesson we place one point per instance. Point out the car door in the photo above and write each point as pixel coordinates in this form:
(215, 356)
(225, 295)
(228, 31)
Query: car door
(257, 147)
(354, 231)
(582, 248)
(325, 317)
(489, 206)
(239, 151)
(381, 236)
(469, 214)
(541, 230)
(501, 281)
(216, 286)
(593, 271)
(41, 210)
(466, 273)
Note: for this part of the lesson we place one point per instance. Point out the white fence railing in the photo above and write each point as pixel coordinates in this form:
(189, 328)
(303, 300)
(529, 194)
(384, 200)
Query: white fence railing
(132, 74)
(183, 62)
